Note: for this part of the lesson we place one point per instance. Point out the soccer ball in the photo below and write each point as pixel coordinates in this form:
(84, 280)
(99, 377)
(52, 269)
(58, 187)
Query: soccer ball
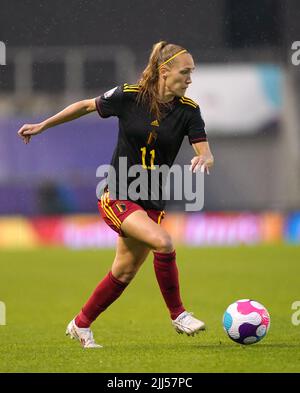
(246, 321)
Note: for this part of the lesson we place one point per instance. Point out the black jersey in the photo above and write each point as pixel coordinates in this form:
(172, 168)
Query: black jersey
(146, 141)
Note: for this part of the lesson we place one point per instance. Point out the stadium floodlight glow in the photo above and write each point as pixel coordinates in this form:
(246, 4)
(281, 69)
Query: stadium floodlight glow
(2, 53)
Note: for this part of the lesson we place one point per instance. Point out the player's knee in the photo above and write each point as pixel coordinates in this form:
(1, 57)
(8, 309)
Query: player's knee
(164, 243)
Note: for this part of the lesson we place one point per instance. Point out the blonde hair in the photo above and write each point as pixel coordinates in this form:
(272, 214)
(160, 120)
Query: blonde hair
(162, 53)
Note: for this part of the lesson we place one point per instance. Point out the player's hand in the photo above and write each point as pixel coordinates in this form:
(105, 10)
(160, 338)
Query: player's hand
(29, 130)
(202, 162)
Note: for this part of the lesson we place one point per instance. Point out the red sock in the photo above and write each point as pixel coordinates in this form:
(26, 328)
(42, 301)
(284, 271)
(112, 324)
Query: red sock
(107, 291)
(167, 276)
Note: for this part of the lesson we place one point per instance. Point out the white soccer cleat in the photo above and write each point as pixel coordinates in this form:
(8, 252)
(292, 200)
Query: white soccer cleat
(84, 335)
(186, 323)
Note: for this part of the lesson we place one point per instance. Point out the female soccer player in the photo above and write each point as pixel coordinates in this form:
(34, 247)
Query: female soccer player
(154, 116)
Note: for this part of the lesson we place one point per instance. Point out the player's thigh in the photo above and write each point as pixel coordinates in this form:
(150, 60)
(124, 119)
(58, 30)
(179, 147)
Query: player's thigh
(141, 227)
(130, 254)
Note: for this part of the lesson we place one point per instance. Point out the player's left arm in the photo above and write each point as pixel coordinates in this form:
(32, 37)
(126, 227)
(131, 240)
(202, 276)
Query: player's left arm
(204, 159)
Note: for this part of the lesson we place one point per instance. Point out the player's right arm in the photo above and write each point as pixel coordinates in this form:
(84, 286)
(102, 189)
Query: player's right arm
(71, 112)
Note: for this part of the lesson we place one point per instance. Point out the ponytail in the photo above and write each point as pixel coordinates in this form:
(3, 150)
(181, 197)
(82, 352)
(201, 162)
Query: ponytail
(148, 94)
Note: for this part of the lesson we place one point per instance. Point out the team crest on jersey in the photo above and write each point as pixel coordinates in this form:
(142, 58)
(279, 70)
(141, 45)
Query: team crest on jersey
(110, 92)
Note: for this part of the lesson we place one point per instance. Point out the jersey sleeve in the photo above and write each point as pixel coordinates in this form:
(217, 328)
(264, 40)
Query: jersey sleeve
(196, 127)
(110, 103)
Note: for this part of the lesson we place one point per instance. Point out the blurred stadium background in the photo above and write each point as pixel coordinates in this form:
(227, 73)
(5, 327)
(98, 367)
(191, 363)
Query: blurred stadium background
(245, 83)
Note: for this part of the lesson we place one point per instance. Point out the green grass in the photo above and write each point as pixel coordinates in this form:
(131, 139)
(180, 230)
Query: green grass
(43, 290)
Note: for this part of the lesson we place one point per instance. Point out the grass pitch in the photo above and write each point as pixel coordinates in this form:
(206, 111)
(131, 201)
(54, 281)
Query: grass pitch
(44, 289)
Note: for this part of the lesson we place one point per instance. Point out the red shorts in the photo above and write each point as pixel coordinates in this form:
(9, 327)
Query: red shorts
(115, 211)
